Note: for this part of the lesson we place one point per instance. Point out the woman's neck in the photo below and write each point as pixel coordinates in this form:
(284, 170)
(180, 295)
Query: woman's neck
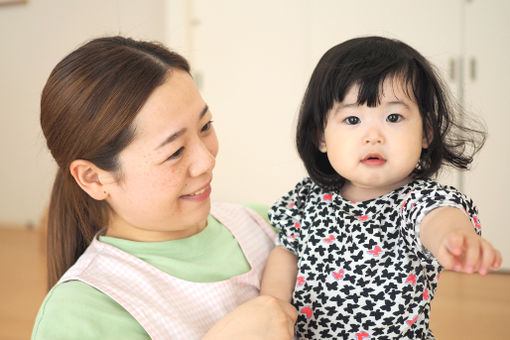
(119, 228)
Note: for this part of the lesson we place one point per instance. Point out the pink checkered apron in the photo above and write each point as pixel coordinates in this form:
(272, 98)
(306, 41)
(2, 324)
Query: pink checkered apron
(168, 307)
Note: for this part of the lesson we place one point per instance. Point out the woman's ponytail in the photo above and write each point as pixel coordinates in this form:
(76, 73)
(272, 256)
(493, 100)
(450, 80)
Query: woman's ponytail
(73, 220)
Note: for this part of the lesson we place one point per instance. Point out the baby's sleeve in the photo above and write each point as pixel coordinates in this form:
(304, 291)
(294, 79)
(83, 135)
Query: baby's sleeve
(287, 214)
(432, 195)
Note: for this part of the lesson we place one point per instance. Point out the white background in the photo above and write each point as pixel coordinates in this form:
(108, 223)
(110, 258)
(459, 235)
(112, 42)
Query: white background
(252, 60)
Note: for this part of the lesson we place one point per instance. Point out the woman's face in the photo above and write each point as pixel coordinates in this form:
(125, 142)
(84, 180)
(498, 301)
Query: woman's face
(166, 171)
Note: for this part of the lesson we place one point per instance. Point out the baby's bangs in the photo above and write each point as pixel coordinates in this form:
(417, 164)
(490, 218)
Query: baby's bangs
(402, 75)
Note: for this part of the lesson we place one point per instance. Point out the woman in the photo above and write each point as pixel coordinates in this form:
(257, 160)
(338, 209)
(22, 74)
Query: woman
(133, 249)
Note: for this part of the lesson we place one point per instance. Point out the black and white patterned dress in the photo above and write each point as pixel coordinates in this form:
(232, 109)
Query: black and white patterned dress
(362, 270)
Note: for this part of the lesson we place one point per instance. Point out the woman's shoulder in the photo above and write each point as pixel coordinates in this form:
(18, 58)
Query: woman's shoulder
(259, 208)
(75, 310)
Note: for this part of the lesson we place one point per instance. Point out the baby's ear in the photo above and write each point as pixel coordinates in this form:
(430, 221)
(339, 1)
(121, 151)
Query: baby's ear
(319, 142)
(425, 142)
(322, 145)
(428, 136)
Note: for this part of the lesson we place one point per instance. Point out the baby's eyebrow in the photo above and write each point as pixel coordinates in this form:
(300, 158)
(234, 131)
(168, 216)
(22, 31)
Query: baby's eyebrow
(397, 102)
(340, 106)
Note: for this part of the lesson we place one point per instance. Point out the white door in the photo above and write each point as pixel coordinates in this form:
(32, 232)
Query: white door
(487, 90)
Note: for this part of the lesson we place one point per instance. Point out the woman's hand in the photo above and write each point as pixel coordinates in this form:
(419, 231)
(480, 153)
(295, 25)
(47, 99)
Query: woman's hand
(263, 317)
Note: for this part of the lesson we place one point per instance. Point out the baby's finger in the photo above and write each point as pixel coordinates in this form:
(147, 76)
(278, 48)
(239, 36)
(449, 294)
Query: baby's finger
(457, 265)
(488, 257)
(454, 243)
(472, 253)
(449, 261)
(498, 259)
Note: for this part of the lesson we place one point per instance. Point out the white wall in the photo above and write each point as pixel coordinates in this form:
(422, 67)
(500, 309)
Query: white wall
(252, 60)
(33, 38)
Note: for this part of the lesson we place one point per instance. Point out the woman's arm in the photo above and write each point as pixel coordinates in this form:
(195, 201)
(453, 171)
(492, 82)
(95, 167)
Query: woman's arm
(280, 274)
(262, 318)
(449, 235)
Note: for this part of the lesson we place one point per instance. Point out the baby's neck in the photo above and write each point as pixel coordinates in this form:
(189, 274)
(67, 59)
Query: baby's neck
(359, 193)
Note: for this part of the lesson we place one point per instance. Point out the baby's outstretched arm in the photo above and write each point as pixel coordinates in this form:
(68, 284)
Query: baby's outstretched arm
(280, 274)
(448, 234)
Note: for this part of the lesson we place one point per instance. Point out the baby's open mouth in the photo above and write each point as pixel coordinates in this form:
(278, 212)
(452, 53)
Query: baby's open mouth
(373, 159)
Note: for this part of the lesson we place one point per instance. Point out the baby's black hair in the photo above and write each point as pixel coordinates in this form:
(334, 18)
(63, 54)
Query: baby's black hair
(367, 62)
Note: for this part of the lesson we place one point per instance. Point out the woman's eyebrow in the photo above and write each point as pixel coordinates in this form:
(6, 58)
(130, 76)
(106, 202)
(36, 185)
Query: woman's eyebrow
(204, 111)
(172, 137)
(179, 133)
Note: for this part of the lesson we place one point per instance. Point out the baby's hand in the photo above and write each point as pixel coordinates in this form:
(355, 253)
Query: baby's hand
(448, 234)
(462, 250)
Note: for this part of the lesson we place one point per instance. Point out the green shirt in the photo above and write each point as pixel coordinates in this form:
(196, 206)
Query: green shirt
(75, 310)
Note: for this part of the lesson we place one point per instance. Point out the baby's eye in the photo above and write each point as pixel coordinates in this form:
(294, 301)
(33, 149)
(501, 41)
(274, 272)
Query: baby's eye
(176, 154)
(352, 120)
(207, 126)
(394, 118)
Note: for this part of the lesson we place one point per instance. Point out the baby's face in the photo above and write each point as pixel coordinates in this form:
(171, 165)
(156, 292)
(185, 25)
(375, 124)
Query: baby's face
(374, 148)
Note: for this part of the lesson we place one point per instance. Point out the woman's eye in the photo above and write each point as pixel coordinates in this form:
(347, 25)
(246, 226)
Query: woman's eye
(207, 126)
(394, 118)
(352, 120)
(176, 154)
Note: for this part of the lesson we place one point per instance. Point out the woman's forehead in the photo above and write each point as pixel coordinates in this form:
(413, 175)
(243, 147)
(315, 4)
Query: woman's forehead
(170, 106)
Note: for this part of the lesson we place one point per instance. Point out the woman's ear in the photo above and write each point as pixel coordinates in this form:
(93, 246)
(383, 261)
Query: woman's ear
(90, 178)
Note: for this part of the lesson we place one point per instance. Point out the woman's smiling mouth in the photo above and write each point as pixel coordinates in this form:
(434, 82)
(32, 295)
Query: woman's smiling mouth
(200, 191)
(200, 194)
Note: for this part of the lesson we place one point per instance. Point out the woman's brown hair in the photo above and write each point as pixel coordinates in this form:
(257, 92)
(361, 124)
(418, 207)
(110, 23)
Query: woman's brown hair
(88, 106)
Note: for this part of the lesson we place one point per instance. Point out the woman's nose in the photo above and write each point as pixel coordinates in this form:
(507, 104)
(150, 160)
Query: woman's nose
(203, 158)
